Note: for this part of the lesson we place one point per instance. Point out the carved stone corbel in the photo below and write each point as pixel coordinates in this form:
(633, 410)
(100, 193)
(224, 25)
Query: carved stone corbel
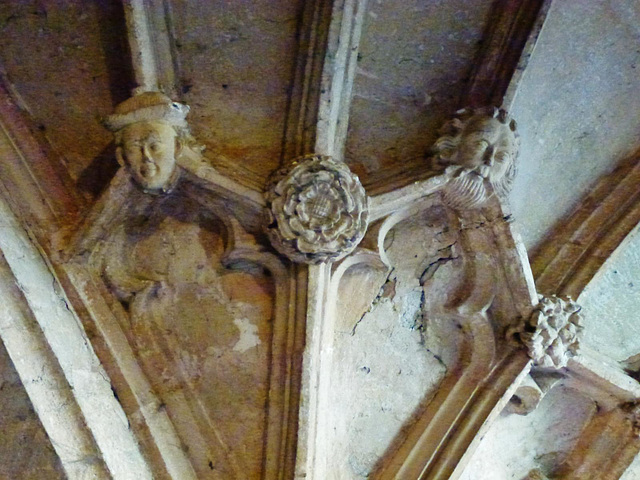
(317, 210)
(478, 148)
(188, 298)
(150, 131)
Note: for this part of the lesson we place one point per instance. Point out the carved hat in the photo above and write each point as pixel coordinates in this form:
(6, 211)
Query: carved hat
(147, 107)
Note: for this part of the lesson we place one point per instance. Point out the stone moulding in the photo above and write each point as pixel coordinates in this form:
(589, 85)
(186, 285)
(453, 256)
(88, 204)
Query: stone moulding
(317, 210)
(583, 241)
(440, 441)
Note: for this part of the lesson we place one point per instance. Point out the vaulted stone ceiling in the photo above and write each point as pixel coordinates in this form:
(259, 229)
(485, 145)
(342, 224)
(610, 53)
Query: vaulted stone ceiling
(238, 65)
(251, 73)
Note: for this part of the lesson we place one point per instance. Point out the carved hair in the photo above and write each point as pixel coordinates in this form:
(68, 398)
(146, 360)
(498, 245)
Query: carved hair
(443, 152)
(149, 107)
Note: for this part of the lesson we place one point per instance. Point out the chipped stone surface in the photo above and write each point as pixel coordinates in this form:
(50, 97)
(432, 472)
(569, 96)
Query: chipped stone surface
(389, 360)
(25, 449)
(575, 93)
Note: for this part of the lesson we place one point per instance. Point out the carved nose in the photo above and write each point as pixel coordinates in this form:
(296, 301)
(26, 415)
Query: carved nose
(146, 154)
(488, 156)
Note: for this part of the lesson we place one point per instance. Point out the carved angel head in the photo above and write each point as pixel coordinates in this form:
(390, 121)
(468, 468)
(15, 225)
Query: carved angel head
(150, 131)
(480, 146)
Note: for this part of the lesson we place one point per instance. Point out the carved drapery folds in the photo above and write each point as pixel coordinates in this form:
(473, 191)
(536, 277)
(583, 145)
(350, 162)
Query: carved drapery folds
(201, 331)
(479, 149)
(317, 210)
(552, 333)
(200, 309)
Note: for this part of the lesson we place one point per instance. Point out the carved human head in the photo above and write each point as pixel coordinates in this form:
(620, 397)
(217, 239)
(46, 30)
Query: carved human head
(150, 131)
(481, 145)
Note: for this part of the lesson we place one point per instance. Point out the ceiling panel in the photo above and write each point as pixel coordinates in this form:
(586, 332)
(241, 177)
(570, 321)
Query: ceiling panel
(578, 108)
(236, 63)
(415, 58)
(68, 65)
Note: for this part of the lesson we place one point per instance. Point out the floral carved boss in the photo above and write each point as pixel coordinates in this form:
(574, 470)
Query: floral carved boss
(553, 332)
(317, 210)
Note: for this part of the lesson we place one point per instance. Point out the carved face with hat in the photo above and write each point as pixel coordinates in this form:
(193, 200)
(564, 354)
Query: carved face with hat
(147, 131)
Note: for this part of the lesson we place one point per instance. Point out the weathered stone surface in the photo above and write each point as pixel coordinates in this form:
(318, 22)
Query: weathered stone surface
(201, 333)
(390, 357)
(517, 444)
(44, 46)
(240, 103)
(612, 302)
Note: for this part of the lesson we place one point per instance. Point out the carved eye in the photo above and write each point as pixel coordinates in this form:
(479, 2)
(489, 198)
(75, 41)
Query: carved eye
(482, 144)
(502, 156)
(154, 147)
(131, 150)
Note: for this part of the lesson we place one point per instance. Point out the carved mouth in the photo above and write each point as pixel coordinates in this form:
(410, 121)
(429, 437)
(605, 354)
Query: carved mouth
(148, 170)
(482, 171)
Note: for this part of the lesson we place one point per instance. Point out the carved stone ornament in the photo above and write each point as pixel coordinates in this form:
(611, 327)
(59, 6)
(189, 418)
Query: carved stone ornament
(633, 409)
(478, 148)
(150, 131)
(535, 474)
(552, 333)
(317, 210)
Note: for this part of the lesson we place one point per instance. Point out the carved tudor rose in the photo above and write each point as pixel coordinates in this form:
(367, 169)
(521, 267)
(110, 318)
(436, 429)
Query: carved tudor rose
(479, 149)
(552, 333)
(317, 210)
